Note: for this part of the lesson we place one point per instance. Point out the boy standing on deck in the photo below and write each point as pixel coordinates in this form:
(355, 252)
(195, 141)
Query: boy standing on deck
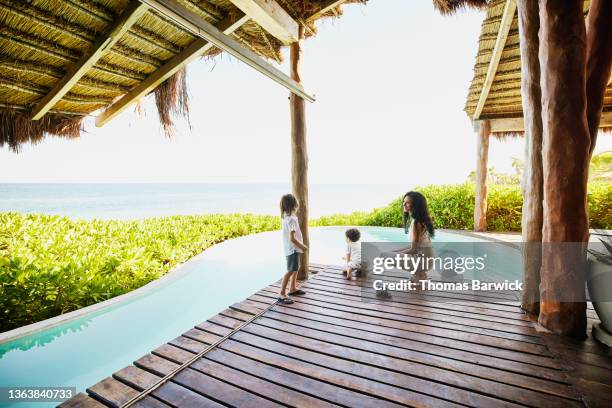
(293, 246)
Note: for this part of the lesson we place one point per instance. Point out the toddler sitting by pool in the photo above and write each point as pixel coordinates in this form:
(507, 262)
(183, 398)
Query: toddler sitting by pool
(353, 252)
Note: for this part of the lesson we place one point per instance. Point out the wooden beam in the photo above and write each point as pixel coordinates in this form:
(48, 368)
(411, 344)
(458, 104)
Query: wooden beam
(173, 65)
(203, 29)
(518, 124)
(272, 17)
(325, 7)
(507, 125)
(502, 36)
(126, 20)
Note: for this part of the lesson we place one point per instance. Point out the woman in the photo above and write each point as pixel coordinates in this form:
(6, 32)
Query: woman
(420, 231)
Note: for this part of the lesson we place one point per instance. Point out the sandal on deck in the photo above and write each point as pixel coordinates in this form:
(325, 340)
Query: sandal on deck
(297, 292)
(284, 301)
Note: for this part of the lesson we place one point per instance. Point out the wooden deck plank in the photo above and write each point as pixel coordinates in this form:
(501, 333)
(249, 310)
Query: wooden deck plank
(332, 393)
(421, 302)
(407, 325)
(136, 378)
(420, 310)
(150, 402)
(235, 314)
(178, 396)
(202, 336)
(220, 391)
(112, 392)
(490, 361)
(425, 295)
(297, 315)
(189, 344)
(440, 295)
(403, 380)
(225, 321)
(434, 367)
(156, 365)
(464, 327)
(342, 346)
(173, 353)
(214, 328)
(263, 387)
(81, 400)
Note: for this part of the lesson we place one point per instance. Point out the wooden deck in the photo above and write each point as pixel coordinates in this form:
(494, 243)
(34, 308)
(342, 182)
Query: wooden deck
(337, 347)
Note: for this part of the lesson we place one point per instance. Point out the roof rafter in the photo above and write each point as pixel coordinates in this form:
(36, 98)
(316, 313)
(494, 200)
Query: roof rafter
(517, 124)
(172, 66)
(500, 42)
(325, 7)
(202, 28)
(74, 73)
(271, 17)
(210, 36)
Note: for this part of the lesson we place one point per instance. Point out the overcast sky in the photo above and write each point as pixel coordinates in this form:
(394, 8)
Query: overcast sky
(390, 78)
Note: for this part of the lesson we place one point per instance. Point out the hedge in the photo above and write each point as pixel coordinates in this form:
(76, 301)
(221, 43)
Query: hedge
(452, 206)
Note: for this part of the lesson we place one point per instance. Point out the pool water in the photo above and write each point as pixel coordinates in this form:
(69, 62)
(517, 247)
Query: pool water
(81, 352)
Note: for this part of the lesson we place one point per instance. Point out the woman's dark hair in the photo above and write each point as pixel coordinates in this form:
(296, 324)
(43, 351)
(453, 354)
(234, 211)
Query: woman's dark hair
(353, 234)
(419, 211)
(288, 204)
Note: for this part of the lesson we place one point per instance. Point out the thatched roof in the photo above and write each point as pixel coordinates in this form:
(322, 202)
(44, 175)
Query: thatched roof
(40, 40)
(504, 97)
(448, 7)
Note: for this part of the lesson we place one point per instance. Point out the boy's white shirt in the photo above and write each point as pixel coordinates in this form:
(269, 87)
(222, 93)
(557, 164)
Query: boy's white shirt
(354, 250)
(290, 223)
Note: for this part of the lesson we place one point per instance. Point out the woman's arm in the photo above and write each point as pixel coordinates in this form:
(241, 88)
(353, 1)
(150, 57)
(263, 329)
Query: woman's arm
(416, 233)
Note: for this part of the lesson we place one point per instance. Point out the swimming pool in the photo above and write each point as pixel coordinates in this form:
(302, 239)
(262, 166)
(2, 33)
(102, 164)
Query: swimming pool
(83, 351)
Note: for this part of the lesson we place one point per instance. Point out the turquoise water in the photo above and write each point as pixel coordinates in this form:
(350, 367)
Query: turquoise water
(81, 352)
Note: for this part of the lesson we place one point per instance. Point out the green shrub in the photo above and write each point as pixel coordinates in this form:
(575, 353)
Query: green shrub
(452, 206)
(51, 265)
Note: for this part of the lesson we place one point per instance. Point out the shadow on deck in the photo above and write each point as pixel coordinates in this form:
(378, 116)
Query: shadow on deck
(336, 346)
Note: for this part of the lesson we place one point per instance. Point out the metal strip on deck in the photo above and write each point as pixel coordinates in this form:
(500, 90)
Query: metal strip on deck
(340, 346)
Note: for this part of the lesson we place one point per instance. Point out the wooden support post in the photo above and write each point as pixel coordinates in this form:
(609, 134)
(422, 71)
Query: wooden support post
(299, 154)
(565, 152)
(483, 128)
(531, 223)
(599, 61)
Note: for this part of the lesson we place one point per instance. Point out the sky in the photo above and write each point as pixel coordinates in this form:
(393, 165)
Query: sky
(390, 77)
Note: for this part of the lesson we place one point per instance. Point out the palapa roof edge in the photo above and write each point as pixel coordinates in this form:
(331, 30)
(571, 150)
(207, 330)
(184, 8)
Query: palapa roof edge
(504, 100)
(449, 7)
(41, 40)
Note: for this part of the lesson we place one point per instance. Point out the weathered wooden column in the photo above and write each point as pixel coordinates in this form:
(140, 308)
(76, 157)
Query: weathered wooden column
(599, 61)
(565, 153)
(531, 223)
(299, 154)
(483, 129)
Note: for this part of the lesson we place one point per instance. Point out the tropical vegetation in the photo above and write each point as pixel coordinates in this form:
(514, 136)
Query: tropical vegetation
(51, 265)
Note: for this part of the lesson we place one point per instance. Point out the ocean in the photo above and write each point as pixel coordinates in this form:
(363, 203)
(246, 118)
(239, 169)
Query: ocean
(136, 201)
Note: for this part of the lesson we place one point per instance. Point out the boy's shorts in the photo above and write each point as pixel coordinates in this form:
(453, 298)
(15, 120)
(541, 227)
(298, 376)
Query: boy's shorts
(293, 262)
